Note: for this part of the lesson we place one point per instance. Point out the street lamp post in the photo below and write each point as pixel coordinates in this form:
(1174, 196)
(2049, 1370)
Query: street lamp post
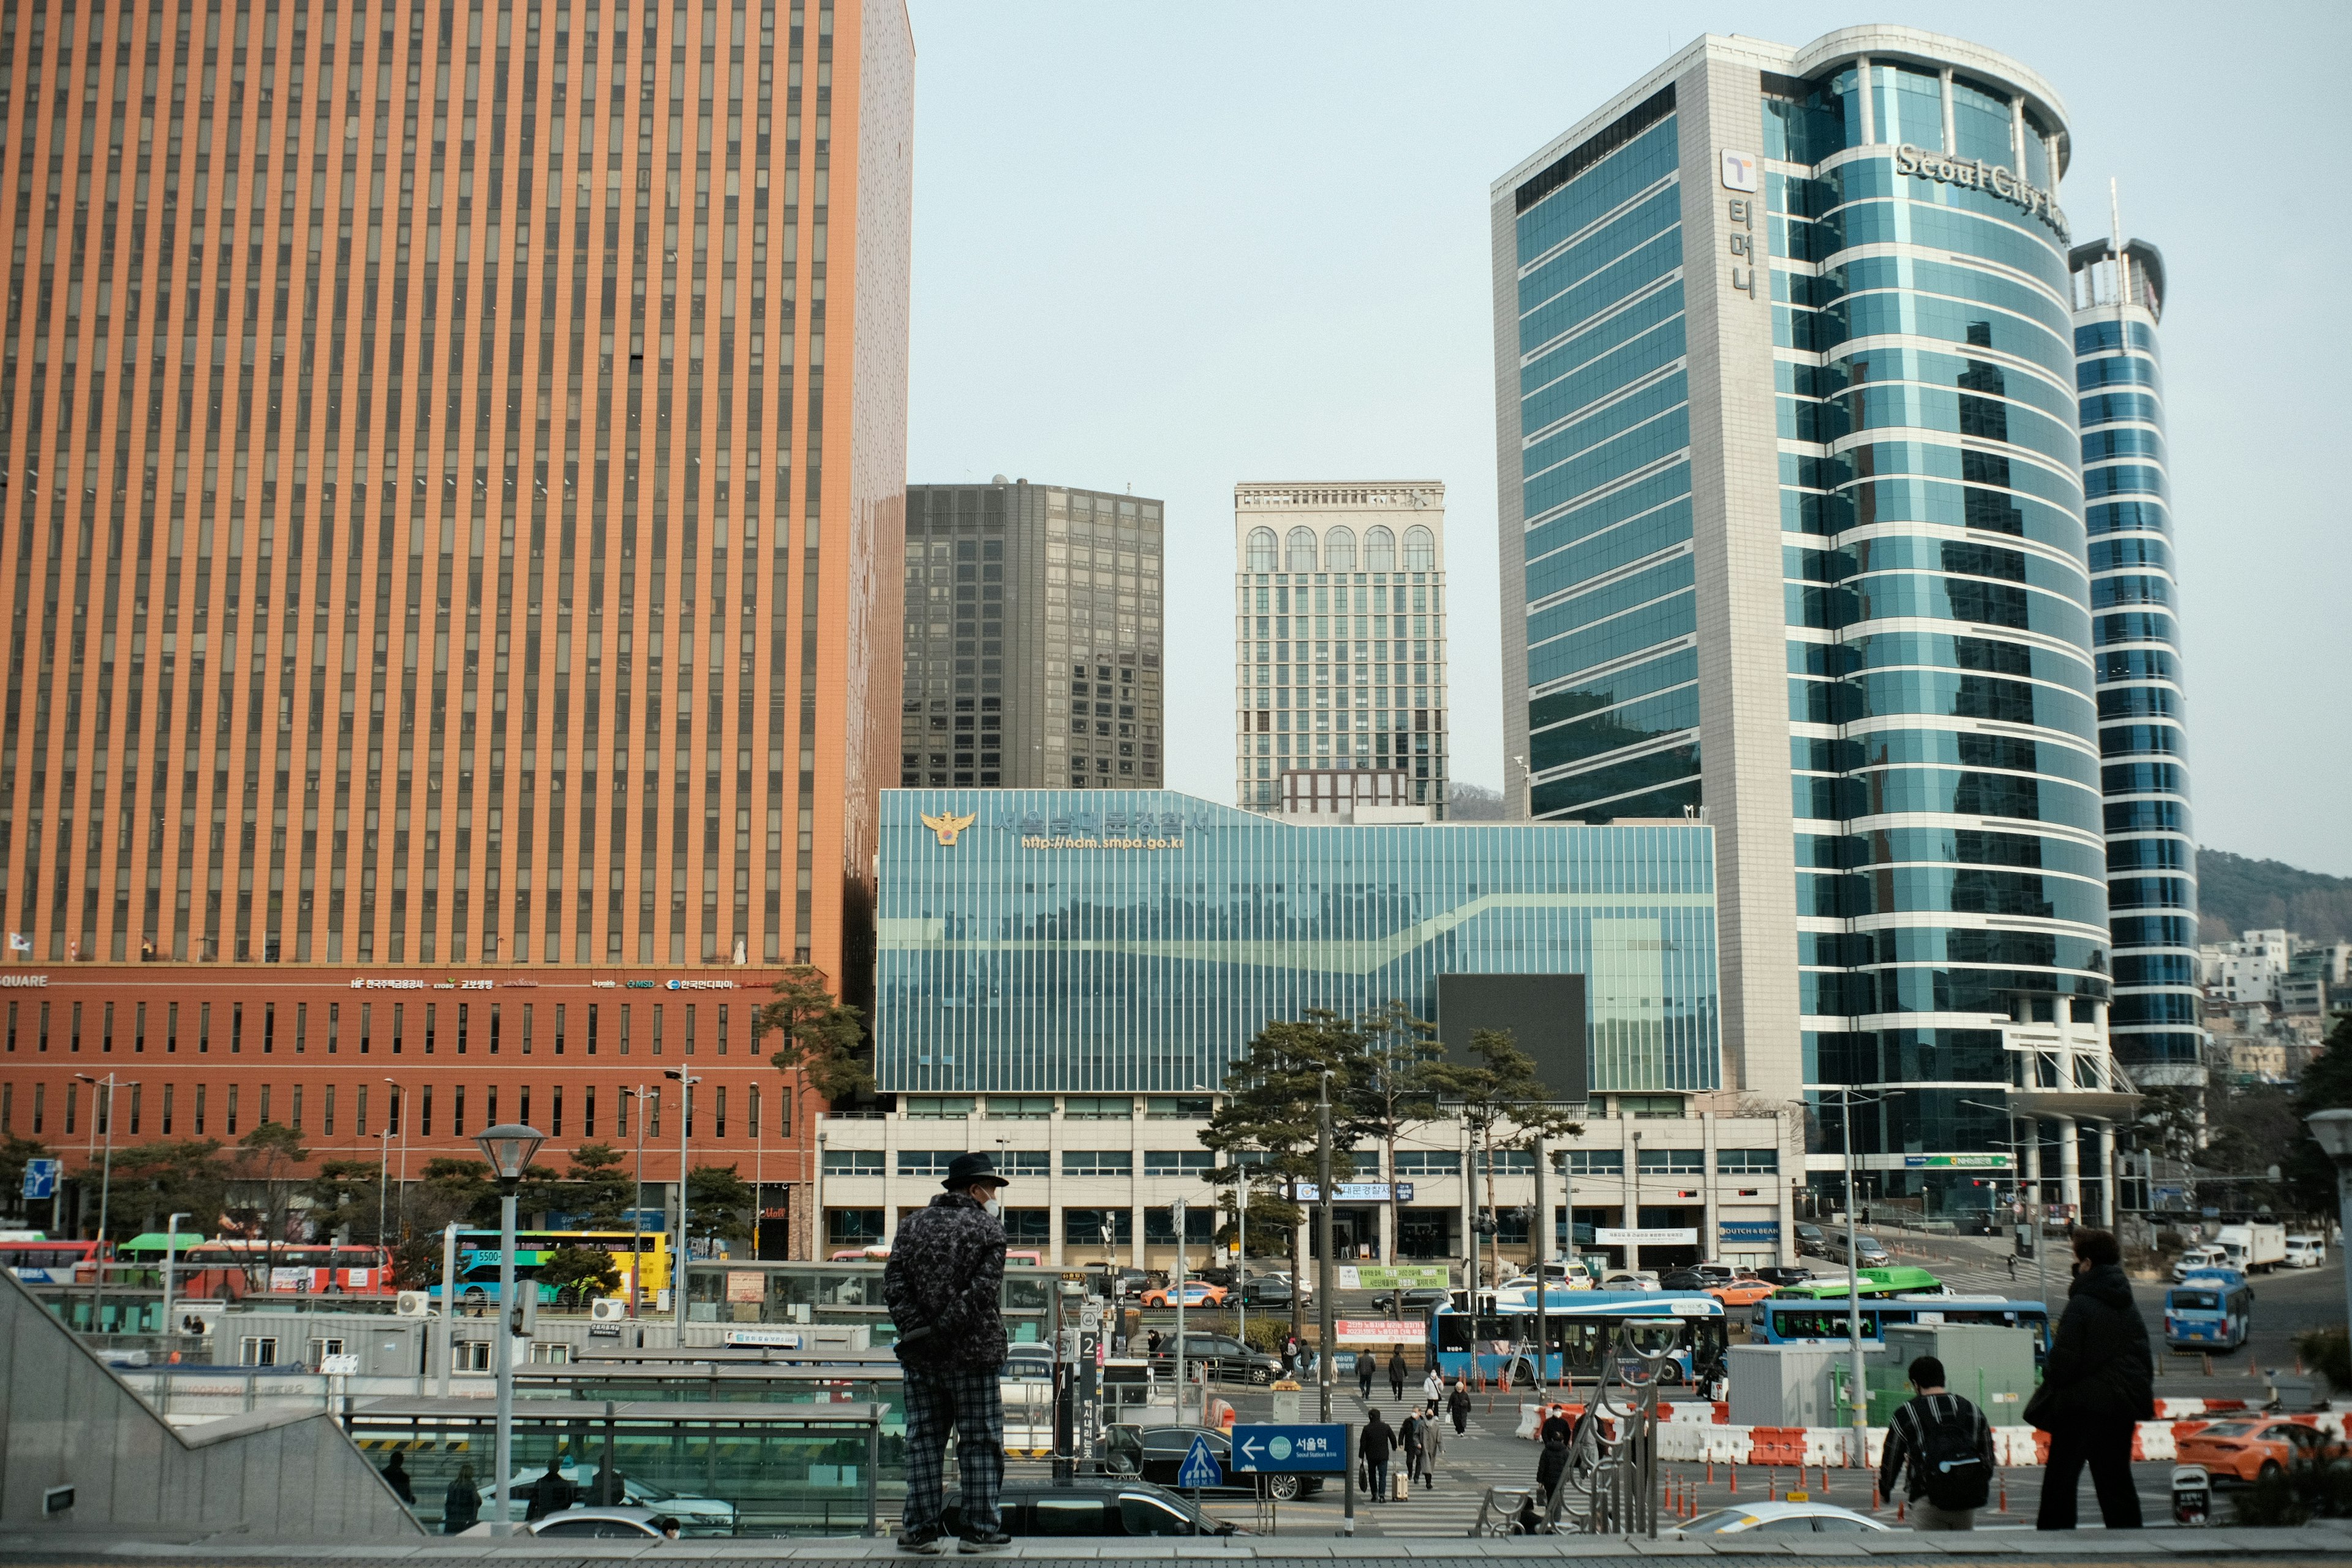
(637, 1205)
(400, 1114)
(2333, 1131)
(509, 1149)
(105, 1191)
(685, 1271)
(383, 1177)
(171, 1259)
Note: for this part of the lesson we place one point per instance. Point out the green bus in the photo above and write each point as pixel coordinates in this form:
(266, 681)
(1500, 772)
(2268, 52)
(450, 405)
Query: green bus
(1902, 1279)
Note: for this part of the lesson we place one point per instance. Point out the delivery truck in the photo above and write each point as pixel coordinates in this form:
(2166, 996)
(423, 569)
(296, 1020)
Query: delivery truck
(2252, 1248)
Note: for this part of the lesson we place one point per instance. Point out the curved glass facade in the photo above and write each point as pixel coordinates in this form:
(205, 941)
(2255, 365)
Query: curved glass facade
(1128, 941)
(2152, 856)
(1951, 880)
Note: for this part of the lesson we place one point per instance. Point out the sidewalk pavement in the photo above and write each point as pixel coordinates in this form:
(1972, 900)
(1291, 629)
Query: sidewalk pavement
(2328, 1541)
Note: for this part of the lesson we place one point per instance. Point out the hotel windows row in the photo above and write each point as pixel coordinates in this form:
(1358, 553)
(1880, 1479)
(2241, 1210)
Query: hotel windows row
(396, 1029)
(1410, 1162)
(373, 1110)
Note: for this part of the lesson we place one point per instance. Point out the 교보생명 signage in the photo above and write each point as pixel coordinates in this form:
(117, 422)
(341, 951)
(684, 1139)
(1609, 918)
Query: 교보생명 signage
(1956, 1161)
(1976, 175)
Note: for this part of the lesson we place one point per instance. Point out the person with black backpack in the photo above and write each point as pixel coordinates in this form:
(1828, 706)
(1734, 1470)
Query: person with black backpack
(1945, 1444)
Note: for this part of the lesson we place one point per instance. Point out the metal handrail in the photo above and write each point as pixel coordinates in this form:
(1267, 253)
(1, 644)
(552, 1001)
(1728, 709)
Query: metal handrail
(1620, 1485)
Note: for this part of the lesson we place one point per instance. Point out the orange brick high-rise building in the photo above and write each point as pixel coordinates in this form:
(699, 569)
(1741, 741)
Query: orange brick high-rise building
(453, 464)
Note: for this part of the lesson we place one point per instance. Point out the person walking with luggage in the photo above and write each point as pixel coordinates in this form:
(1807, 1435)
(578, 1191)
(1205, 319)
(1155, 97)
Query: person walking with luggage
(1364, 1374)
(1944, 1445)
(1458, 1404)
(1379, 1440)
(1396, 1371)
(1410, 1436)
(2096, 1382)
(943, 1286)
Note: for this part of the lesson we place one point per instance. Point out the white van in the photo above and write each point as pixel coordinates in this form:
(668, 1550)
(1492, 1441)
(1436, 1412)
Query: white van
(2306, 1251)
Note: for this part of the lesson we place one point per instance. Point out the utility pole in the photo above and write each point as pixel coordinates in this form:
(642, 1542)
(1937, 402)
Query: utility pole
(105, 1109)
(685, 1271)
(1328, 1328)
(637, 1203)
(1543, 1279)
(1176, 1213)
(1858, 1396)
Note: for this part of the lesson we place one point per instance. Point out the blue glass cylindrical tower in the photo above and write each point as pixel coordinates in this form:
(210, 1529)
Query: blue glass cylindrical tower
(2118, 296)
(1951, 867)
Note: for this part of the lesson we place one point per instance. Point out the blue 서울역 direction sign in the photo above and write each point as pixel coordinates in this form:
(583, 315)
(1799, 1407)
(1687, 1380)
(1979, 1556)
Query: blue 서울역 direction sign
(41, 1177)
(1290, 1449)
(1200, 1467)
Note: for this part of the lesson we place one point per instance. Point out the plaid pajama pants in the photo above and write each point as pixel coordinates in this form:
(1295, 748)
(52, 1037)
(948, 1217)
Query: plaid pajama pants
(967, 1401)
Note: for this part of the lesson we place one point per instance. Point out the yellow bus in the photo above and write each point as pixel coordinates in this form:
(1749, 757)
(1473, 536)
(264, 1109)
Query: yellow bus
(478, 1262)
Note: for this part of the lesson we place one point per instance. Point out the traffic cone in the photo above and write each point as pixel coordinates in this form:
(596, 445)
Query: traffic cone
(2209, 1365)
(1898, 1509)
(1710, 1464)
(1735, 1478)
(2004, 1494)
(1772, 1486)
(1825, 1478)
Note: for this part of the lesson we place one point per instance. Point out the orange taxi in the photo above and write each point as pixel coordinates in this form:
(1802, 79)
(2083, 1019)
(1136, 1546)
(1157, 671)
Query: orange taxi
(1195, 1293)
(2247, 1449)
(1743, 1292)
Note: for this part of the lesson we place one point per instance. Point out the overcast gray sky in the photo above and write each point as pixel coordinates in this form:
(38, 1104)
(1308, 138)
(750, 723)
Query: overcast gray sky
(1174, 246)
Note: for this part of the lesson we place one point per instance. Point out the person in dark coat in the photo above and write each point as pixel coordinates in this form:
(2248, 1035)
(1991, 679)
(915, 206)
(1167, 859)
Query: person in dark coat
(1416, 1452)
(1396, 1373)
(552, 1492)
(1364, 1373)
(1551, 1469)
(395, 1475)
(1378, 1441)
(2097, 1381)
(944, 1285)
(1457, 1404)
(461, 1507)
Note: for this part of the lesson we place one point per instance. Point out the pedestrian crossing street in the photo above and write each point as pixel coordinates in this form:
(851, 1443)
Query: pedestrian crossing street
(1448, 1508)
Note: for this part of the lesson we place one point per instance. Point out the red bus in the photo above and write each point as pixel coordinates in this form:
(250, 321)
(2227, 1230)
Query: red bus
(231, 1268)
(40, 1262)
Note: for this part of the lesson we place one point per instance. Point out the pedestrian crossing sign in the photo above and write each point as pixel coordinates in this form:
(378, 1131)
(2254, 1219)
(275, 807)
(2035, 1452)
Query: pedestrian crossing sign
(1200, 1467)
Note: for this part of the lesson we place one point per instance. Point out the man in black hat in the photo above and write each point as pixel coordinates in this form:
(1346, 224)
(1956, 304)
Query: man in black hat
(942, 1285)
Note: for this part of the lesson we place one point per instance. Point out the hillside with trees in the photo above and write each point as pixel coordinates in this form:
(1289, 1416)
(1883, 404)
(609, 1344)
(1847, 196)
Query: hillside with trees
(2235, 894)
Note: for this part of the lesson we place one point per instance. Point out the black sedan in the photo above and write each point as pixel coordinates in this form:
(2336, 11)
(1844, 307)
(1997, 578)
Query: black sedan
(1157, 1454)
(1226, 1358)
(1774, 1274)
(1266, 1292)
(1095, 1508)
(1426, 1299)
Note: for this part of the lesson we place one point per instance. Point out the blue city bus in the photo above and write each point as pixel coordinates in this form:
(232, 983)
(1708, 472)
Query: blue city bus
(1785, 1321)
(2210, 1310)
(1583, 1325)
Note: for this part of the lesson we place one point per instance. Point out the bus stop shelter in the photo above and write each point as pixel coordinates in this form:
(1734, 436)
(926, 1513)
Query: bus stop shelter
(795, 1468)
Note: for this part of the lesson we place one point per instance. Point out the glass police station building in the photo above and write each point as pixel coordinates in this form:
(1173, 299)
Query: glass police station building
(1064, 978)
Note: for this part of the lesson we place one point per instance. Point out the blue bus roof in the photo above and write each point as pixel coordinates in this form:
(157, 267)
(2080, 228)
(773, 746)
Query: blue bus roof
(1560, 1302)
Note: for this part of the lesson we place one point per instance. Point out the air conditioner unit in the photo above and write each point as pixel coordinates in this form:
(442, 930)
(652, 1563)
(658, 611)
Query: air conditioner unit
(608, 1310)
(412, 1304)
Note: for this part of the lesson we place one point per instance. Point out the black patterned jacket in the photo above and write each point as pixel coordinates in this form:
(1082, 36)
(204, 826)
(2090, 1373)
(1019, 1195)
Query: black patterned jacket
(946, 1273)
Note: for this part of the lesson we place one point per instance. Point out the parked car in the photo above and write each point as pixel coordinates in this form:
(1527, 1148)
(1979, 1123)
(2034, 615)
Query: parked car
(1809, 1240)
(1776, 1274)
(696, 1515)
(1028, 1361)
(639, 1524)
(1127, 1282)
(1194, 1293)
(2195, 1257)
(1705, 1276)
(1095, 1508)
(1630, 1279)
(1869, 1252)
(2249, 1449)
(1426, 1299)
(1218, 1275)
(2306, 1251)
(1226, 1358)
(1743, 1292)
(1782, 1519)
(1157, 1454)
(1266, 1291)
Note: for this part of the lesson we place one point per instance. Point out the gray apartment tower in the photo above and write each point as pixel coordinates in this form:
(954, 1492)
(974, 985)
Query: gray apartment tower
(1033, 637)
(1793, 534)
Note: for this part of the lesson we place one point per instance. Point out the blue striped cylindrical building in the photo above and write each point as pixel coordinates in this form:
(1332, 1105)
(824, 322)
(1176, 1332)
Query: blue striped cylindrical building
(2135, 656)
